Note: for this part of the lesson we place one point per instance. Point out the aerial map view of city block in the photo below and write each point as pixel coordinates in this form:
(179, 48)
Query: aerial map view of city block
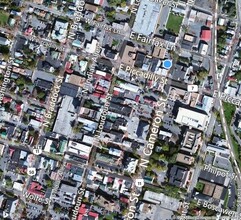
(120, 109)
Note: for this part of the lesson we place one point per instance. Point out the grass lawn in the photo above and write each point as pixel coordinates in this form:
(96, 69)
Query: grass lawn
(3, 18)
(199, 186)
(229, 110)
(174, 23)
(226, 200)
(236, 150)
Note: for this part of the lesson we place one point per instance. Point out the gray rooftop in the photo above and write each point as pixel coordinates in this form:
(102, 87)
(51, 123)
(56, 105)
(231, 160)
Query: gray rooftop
(65, 116)
(147, 17)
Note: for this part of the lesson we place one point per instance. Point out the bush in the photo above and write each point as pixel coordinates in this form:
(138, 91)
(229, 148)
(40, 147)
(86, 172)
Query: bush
(4, 49)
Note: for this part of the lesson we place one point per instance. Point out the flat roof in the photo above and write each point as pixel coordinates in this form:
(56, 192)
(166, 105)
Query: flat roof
(65, 116)
(147, 17)
(191, 118)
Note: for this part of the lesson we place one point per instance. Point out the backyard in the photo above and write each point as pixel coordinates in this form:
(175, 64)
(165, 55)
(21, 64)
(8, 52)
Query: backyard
(3, 18)
(174, 23)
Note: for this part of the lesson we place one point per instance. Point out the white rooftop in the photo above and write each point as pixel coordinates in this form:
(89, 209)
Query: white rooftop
(191, 118)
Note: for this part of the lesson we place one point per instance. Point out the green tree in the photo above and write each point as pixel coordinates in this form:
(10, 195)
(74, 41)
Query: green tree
(9, 182)
(165, 147)
(20, 81)
(41, 95)
(4, 49)
(202, 74)
(77, 127)
(49, 183)
(1, 174)
(111, 15)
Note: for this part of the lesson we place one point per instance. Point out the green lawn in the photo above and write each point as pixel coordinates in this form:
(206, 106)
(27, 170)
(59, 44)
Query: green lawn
(236, 150)
(174, 23)
(199, 186)
(226, 200)
(229, 110)
(3, 18)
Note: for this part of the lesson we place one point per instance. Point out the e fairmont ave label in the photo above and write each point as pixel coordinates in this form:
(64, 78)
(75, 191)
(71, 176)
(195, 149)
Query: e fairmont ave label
(153, 41)
(75, 210)
(52, 101)
(6, 78)
(91, 69)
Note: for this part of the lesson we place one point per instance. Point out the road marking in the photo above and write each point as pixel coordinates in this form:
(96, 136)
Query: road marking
(235, 163)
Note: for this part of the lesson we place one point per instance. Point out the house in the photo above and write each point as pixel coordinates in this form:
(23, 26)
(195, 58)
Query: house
(212, 189)
(83, 150)
(95, 2)
(203, 48)
(180, 71)
(159, 52)
(76, 80)
(111, 54)
(91, 47)
(37, 188)
(170, 37)
(67, 193)
(188, 41)
(4, 41)
(88, 113)
(88, 125)
(140, 59)
(68, 89)
(90, 7)
(60, 30)
(130, 164)
(43, 84)
(19, 158)
(180, 176)
(185, 159)
(8, 207)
